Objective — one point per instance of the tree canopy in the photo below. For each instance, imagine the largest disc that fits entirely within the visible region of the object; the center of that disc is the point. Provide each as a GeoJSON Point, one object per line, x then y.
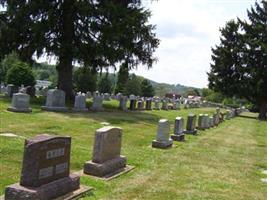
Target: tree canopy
{"type": "Point", "coordinates": [95, 34]}
{"type": "Point", "coordinates": [239, 66]}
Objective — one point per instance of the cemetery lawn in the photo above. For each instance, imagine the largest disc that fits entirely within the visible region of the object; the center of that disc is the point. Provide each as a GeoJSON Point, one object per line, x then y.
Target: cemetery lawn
{"type": "Point", "coordinates": [221, 163]}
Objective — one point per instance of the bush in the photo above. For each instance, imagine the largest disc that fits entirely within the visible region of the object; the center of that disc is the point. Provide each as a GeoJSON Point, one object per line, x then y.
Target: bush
{"type": "Point", "coordinates": [19, 74]}
{"type": "Point", "coordinates": [84, 80]}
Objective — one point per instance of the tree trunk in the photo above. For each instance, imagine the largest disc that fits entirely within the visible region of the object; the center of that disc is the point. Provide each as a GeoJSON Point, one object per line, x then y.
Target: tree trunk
{"type": "Point", "coordinates": [64, 67]}
{"type": "Point", "coordinates": [262, 111]}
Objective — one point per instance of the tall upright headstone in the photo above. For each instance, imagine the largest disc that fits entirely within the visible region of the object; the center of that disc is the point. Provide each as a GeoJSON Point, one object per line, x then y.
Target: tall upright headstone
{"type": "Point", "coordinates": [45, 170]}
{"type": "Point", "coordinates": [132, 102]}
{"type": "Point", "coordinates": [206, 121]}
{"type": "Point", "coordinates": [201, 122]}
{"type": "Point", "coordinates": [106, 153]}
{"type": "Point", "coordinates": [211, 122]}
{"type": "Point", "coordinates": [20, 103]}
{"type": "Point", "coordinates": [162, 140]}
{"type": "Point", "coordinates": [149, 104]}
{"type": "Point", "coordinates": [11, 89]}
{"type": "Point", "coordinates": [80, 103]}
{"type": "Point", "coordinates": [55, 101]}
{"type": "Point", "coordinates": [140, 104]}
{"type": "Point", "coordinates": [191, 124]}
{"type": "Point", "coordinates": [164, 104]}
{"type": "Point", "coordinates": [156, 104]}
{"type": "Point", "coordinates": [178, 134]}
{"type": "Point", "coordinates": [97, 102]}
{"type": "Point", "coordinates": [123, 103]}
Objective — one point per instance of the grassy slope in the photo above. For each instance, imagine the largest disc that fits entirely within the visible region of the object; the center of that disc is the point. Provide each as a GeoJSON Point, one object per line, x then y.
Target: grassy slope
{"type": "Point", "coordinates": [221, 163]}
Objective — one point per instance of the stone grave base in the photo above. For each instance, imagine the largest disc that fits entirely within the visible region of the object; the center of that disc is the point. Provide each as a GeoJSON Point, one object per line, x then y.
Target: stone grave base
{"type": "Point", "coordinates": [56, 109]}
{"type": "Point", "coordinates": [111, 175]}
{"type": "Point", "coordinates": [161, 144]}
{"type": "Point", "coordinates": [19, 110]}
{"type": "Point", "coordinates": [80, 110]}
{"type": "Point", "coordinates": [106, 168]}
{"type": "Point", "coordinates": [180, 137]}
{"type": "Point", "coordinates": [193, 132]}
{"type": "Point", "coordinates": [52, 190]}
{"type": "Point", "coordinates": [201, 128]}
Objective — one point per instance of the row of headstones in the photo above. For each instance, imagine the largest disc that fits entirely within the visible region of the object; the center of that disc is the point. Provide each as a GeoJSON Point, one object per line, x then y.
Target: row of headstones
{"type": "Point", "coordinates": [204, 122]}
{"type": "Point", "coordinates": [55, 101]}
{"type": "Point", "coordinates": [45, 170]}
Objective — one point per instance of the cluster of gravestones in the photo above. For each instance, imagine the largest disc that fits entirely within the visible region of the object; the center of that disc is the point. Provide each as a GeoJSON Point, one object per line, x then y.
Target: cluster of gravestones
{"type": "Point", "coordinates": [163, 140]}
{"type": "Point", "coordinates": [46, 173]}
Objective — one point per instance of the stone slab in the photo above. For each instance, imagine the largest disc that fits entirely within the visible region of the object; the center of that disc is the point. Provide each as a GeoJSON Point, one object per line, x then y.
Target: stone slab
{"type": "Point", "coordinates": [56, 109]}
{"type": "Point", "coordinates": [179, 138]}
{"type": "Point", "coordinates": [161, 144]}
{"type": "Point", "coordinates": [47, 191]}
{"type": "Point", "coordinates": [19, 110]}
{"type": "Point", "coordinates": [112, 175]}
{"type": "Point", "coordinates": [105, 168]}
{"type": "Point", "coordinates": [193, 132]}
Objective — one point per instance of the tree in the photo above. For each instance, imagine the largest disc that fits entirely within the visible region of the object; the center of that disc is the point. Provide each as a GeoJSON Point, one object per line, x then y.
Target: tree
{"type": "Point", "coordinates": [239, 65]}
{"type": "Point", "coordinates": [6, 64]}
{"type": "Point", "coordinates": [84, 80]}
{"type": "Point", "coordinates": [20, 74]}
{"type": "Point", "coordinates": [147, 88]}
{"type": "Point", "coordinates": [93, 34]}
{"type": "Point", "coordinates": [133, 86]}
{"type": "Point", "coordinates": [123, 76]}
{"type": "Point", "coordinates": [105, 85]}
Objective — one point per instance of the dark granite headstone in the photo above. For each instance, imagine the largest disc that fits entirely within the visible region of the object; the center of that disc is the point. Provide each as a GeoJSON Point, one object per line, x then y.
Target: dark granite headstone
{"type": "Point", "coordinates": [191, 124]}
{"type": "Point", "coordinates": [45, 170]}
{"type": "Point", "coordinates": [133, 104]}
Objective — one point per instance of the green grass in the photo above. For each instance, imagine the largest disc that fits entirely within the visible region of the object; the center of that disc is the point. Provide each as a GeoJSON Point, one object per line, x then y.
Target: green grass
{"type": "Point", "coordinates": [221, 163]}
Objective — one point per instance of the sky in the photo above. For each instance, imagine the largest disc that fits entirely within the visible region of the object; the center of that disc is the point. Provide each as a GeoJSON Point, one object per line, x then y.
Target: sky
{"type": "Point", "coordinates": [187, 30]}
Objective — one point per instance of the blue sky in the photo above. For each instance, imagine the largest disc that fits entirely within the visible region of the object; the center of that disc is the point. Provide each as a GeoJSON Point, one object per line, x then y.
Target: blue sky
{"type": "Point", "coordinates": [187, 30]}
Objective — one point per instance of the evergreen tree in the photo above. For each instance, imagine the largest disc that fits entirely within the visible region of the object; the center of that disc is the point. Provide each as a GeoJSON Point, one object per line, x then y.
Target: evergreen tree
{"type": "Point", "coordinates": [105, 85]}
{"type": "Point", "coordinates": [123, 76]}
{"type": "Point", "coordinates": [147, 88]}
{"type": "Point", "coordinates": [84, 80]}
{"type": "Point", "coordinates": [95, 34]}
{"type": "Point", "coordinates": [133, 86]}
{"type": "Point", "coordinates": [239, 65]}
{"type": "Point", "coordinates": [6, 64]}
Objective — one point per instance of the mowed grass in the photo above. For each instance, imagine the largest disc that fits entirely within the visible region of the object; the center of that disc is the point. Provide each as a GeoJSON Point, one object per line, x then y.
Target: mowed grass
{"type": "Point", "coordinates": [220, 163]}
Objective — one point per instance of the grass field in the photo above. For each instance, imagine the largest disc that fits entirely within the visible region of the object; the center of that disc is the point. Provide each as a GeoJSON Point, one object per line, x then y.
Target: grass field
{"type": "Point", "coordinates": [222, 163]}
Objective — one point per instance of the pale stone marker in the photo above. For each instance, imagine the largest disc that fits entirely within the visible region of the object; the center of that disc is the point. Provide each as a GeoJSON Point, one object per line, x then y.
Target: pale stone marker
{"type": "Point", "coordinates": [201, 122]}
{"type": "Point", "coordinates": [97, 102]}
{"type": "Point", "coordinates": [106, 153]}
{"type": "Point", "coordinates": [45, 170]}
{"type": "Point", "coordinates": [80, 103]}
{"type": "Point", "coordinates": [162, 140]}
{"type": "Point", "coordinates": [123, 103]}
{"type": "Point", "coordinates": [191, 124]}
{"type": "Point", "coordinates": [55, 101]}
{"type": "Point", "coordinates": [156, 104]}
{"type": "Point", "coordinates": [178, 130]}
{"type": "Point", "coordinates": [20, 103]}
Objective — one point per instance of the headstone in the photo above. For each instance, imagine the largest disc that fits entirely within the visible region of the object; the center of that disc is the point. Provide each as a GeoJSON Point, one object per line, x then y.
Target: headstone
{"type": "Point", "coordinates": [215, 119]}
{"type": "Point", "coordinates": [106, 97]}
{"type": "Point", "coordinates": [211, 121]}
{"type": "Point", "coordinates": [156, 104]}
{"type": "Point", "coordinates": [176, 104]}
{"type": "Point", "coordinates": [164, 104]}
{"type": "Point", "coordinates": [149, 104]}
{"type": "Point", "coordinates": [97, 102]}
{"type": "Point", "coordinates": [228, 114]}
{"type": "Point", "coordinates": [191, 124]}
{"type": "Point", "coordinates": [55, 101]}
{"type": "Point", "coordinates": [178, 129]}
{"type": "Point", "coordinates": [45, 170]}
{"type": "Point", "coordinates": [80, 103]}
{"type": "Point", "coordinates": [88, 95]}
{"type": "Point", "coordinates": [206, 121]}
{"type": "Point", "coordinates": [133, 102]}
{"type": "Point", "coordinates": [11, 89]}
{"type": "Point", "coordinates": [30, 90]}
{"type": "Point", "coordinates": [162, 140]}
{"type": "Point", "coordinates": [201, 122]}
{"type": "Point", "coordinates": [123, 103]}
{"type": "Point", "coordinates": [20, 103]}
{"type": "Point", "coordinates": [140, 105]}
{"type": "Point", "coordinates": [106, 153]}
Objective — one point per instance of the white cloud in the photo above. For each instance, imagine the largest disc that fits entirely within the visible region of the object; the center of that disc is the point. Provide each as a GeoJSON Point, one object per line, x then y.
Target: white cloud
{"type": "Point", "coordinates": [187, 30]}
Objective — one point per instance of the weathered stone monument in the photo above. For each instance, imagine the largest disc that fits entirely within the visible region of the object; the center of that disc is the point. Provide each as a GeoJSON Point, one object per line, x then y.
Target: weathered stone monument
{"type": "Point", "coordinates": [55, 101]}
{"type": "Point", "coordinates": [20, 103]}
{"type": "Point", "coordinates": [106, 97]}
{"type": "Point", "coordinates": [164, 104]}
{"type": "Point", "coordinates": [201, 122]}
{"type": "Point", "coordinates": [97, 102]}
{"type": "Point", "coordinates": [133, 102]}
{"type": "Point", "coordinates": [123, 103]}
{"type": "Point", "coordinates": [140, 104]}
{"type": "Point", "coordinates": [206, 121]}
{"type": "Point", "coordinates": [45, 170]}
{"type": "Point", "coordinates": [149, 104]}
{"type": "Point", "coordinates": [211, 122]}
{"type": "Point", "coordinates": [191, 124]}
{"type": "Point", "coordinates": [80, 103]}
{"type": "Point", "coordinates": [178, 134]}
{"type": "Point", "coordinates": [156, 104]}
{"type": "Point", "coordinates": [176, 104]}
{"type": "Point", "coordinates": [106, 153]}
{"type": "Point", "coordinates": [162, 140]}
{"type": "Point", "coordinates": [11, 89]}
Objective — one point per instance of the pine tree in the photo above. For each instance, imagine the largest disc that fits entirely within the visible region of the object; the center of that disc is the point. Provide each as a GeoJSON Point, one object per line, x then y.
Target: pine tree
{"type": "Point", "coordinates": [239, 65]}
{"type": "Point", "coordinates": [147, 88]}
